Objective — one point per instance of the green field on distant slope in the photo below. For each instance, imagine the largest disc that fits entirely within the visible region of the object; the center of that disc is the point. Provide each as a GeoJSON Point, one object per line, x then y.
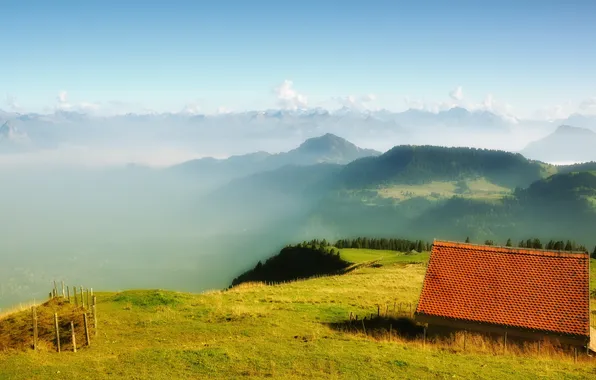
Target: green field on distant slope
{"type": "Point", "coordinates": [281, 331]}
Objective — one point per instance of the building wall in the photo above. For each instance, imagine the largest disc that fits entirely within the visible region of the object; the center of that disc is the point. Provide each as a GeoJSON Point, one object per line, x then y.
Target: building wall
{"type": "Point", "coordinates": [446, 326]}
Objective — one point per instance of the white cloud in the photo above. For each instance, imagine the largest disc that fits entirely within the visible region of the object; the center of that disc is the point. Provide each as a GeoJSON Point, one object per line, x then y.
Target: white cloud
{"type": "Point", "coordinates": [62, 104]}
{"type": "Point", "coordinates": [223, 110]}
{"type": "Point", "coordinates": [429, 106]}
{"type": "Point", "coordinates": [360, 103]}
{"type": "Point", "coordinates": [61, 98]}
{"type": "Point", "coordinates": [457, 94]}
{"type": "Point", "coordinates": [288, 97]}
{"type": "Point", "coordinates": [191, 109]}
{"type": "Point", "coordinates": [559, 111]}
{"type": "Point", "coordinates": [413, 104]}
{"type": "Point", "coordinates": [11, 102]}
{"type": "Point", "coordinates": [588, 105]}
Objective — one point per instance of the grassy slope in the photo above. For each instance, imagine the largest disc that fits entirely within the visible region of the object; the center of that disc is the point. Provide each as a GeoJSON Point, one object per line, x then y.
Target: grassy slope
{"type": "Point", "coordinates": [277, 331]}
{"type": "Point", "coordinates": [480, 189]}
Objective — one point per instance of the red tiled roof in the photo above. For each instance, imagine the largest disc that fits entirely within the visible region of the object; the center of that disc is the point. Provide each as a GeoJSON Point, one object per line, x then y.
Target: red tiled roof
{"type": "Point", "coordinates": [533, 289]}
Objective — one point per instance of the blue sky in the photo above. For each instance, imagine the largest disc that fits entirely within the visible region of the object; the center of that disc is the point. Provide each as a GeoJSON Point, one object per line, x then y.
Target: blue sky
{"type": "Point", "coordinates": [166, 56]}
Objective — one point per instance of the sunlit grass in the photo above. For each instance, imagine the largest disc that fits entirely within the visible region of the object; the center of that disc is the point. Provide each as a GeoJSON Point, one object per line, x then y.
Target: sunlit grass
{"type": "Point", "coordinates": [281, 331]}
{"type": "Point", "coordinates": [475, 189]}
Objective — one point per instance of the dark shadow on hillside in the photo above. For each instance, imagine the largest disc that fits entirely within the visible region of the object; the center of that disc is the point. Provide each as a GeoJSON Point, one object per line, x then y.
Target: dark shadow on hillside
{"type": "Point", "coordinates": [296, 262]}
{"type": "Point", "coordinates": [381, 327]}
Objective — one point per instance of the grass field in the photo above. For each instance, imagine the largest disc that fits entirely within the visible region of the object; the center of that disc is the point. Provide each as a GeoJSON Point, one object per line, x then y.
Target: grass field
{"type": "Point", "coordinates": [474, 189]}
{"type": "Point", "coordinates": [281, 331]}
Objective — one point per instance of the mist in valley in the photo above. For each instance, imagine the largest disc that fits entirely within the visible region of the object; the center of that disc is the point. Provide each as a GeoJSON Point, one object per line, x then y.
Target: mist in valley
{"type": "Point", "coordinates": [138, 204]}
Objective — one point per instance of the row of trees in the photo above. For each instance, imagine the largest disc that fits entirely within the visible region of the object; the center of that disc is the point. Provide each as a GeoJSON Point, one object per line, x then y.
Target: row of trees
{"type": "Point", "coordinates": [556, 245]}
{"type": "Point", "coordinates": [402, 245]}
{"type": "Point", "coordinates": [405, 245]}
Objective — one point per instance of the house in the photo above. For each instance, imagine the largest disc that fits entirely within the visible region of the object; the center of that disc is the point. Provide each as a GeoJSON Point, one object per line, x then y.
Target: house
{"type": "Point", "coordinates": [527, 293]}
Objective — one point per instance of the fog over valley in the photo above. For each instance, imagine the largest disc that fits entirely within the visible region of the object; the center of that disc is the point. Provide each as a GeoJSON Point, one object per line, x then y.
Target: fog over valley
{"type": "Point", "coordinates": [188, 202]}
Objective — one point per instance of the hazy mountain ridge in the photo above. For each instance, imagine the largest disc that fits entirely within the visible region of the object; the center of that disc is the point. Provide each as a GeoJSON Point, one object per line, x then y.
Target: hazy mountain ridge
{"type": "Point", "coordinates": [328, 148]}
{"type": "Point", "coordinates": [189, 238]}
{"type": "Point", "coordinates": [346, 199]}
{"type": "Point", "coordinates": [565, 144]}
{"type": "Point", "coordinates": [280, 130]}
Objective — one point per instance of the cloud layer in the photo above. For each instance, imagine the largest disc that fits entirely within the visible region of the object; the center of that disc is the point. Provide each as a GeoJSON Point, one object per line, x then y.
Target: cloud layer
{"type": "Point", "coordinates": [288, 97]}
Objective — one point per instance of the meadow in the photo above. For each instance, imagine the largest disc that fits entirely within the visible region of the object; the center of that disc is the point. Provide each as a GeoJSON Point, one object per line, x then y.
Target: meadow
{"type": "Point", "coordinates": [284, 330]}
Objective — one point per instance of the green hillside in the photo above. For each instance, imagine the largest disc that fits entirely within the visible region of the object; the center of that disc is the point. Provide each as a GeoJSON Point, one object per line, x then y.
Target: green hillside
{"type": "Point", "coordinates": [282, 331]}
{"type": "Point", "coordinates": [423, 164]}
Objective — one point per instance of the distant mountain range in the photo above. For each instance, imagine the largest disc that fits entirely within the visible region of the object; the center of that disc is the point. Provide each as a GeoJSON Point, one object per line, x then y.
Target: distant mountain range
{"type": "Point", "coordinates": [420, 191]}
{"type": "Point", "coordinates": [566, 144]}
{"type": "Point", "coordinates": [328, 148]}
{"type": "Point", "coordinates": [278, 130]}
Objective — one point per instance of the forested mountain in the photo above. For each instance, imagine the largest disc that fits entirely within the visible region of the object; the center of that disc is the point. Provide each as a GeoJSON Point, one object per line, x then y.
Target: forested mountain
{"type": "Point", "coordinates": [421, 164]}
{"type": "Point", "coordinates": [424, 192]}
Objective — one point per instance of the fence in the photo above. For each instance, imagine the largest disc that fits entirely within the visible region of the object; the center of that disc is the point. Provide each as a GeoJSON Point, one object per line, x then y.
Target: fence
{"type": "Point", "coordinates": [83, 312]}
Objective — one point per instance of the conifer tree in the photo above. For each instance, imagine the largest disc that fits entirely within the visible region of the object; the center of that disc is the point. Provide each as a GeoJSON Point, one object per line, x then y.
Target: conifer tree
{"type": "Point", "coordinates": [537, 244]}
{"type": "Point", "coordinates": [568, 246]}
{"type": "Point", "coordinates": [468, 239]}
{"type": "Point", "coordinates": [508, 244]}
{"type": "Point", "coordinates": [594, 253]}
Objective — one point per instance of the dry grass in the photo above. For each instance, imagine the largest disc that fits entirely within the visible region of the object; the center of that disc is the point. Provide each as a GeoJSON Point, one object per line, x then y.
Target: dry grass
{"type": "Point", "coordinates": [16, 329]}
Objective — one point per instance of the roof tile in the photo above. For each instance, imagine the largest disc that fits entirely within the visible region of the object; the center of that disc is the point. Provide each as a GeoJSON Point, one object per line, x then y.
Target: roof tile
{"type": "Point", "coordinates": [533, 289]}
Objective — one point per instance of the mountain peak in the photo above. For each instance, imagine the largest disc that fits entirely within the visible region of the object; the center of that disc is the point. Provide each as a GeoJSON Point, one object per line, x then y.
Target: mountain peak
{"type": "Point", "coordinates": [326, 142]}
{"type": "Point", "coordinates": [568, 129]}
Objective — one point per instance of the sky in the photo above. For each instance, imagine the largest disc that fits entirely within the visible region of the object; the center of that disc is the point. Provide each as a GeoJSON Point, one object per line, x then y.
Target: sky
{"type": "Point", "coordinates": [523, 58]}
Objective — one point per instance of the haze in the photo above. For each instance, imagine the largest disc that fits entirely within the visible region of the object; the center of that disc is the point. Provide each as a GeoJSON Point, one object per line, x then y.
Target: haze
{"type": "Point", "coordinates": [106, 132]}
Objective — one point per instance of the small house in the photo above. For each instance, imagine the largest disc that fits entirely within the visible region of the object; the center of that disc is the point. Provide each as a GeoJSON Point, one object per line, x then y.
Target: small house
{"type": "Point", "coordinates": [518, 292]}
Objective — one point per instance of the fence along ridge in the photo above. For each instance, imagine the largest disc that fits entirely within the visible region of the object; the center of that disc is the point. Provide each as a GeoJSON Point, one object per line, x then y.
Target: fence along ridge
{"type": "Point", "coordinates": [65, 296]}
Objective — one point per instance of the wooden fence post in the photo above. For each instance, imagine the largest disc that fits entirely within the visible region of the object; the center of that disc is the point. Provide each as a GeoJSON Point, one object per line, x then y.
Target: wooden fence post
{"type": "Point", "coordinates": [68, 293]}
{"type": "Point", "coordinates": [74, 340]}
{"type": "Point", "coordinates": [55, 289]}
{"type": "Point", "coordinates": [63, 293]}
{"type": "Point", "coordinates": [95, 314]}
{"type": "Point", "coordinates": [88, 304]}
{"type": "Point", "coordinates": [82, 298]}
{"type": "Point", "coordinates": [34, 315]}
{"type": "Point", "coordinates": [86, 329]}
{"type": "Point", "coordinates": [57, 331]}
{"type": "Point", "coordinates": [74, 289]}
{"type": "Point", "coordinates": [50, 295]}
{"type": "Point", "coordinates": [505, 342]}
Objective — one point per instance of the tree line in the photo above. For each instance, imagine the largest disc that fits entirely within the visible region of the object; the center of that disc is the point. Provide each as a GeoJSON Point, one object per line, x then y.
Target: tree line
{"type": "Point", "coordinates": [555, 245]}
{"type": "Point", "coordinates": [405, 245]}
{"type": "Point", "coordinates": [400, 245]}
